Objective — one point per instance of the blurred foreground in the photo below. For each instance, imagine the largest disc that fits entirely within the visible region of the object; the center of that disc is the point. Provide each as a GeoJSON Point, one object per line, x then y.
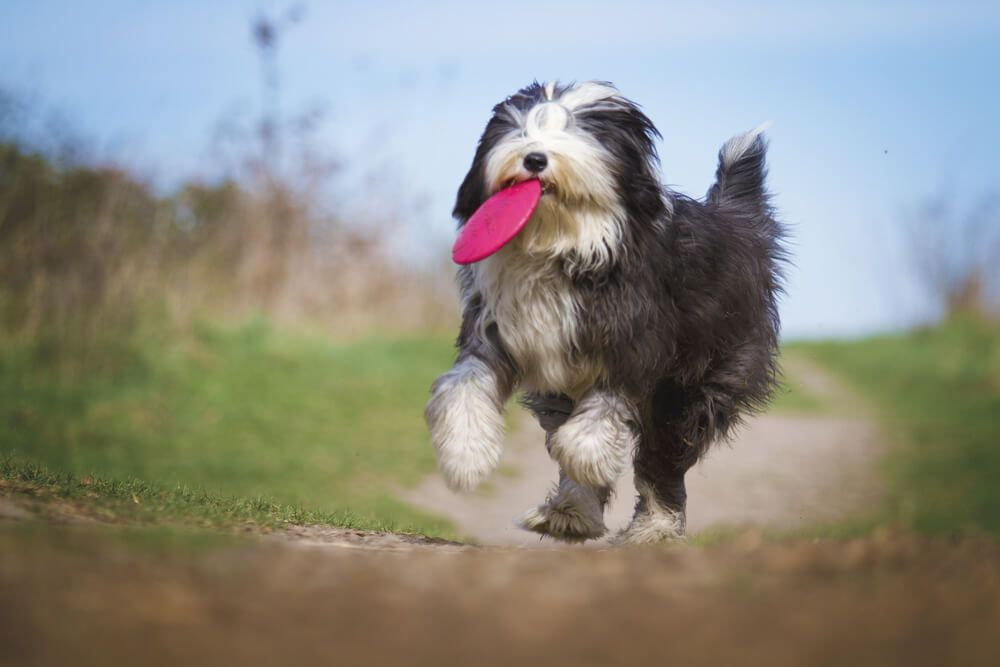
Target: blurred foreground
{"type": "Point", "coordinates": [339, 598]}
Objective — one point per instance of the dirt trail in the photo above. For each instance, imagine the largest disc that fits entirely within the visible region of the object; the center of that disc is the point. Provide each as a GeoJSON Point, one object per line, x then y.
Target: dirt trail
{"type": "Point", "coordinates": [780, 471]}
{"type": "Point", "coordinates": [78, 593]}
{"type": "Point", "coordinates": [70, 595]}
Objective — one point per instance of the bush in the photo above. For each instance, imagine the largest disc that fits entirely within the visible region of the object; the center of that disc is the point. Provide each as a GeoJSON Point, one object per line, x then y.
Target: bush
{"type": "Point", "coordinates": [85, 251]}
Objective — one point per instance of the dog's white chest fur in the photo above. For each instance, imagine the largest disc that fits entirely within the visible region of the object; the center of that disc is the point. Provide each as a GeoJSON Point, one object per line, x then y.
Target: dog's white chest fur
{"type": "Point", "coordinates": [537, 317]}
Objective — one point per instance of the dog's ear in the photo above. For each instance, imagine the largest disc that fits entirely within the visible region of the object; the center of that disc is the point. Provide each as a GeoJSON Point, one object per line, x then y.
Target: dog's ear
{"type": "Point", "coordinates": [629, 136]}
{"type": "Point", "coordinates": [472, 192]}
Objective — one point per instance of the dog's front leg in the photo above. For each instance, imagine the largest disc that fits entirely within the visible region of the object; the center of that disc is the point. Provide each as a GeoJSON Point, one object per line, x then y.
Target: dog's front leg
{"type": "Point", "coordinates": [465, 417]}
{"type": "Point", "coordinates": [593, 445]}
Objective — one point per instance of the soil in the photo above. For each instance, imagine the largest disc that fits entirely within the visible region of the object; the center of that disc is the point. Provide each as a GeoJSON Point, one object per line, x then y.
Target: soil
{"type": "Point", "coordinates": [71, 593]}
{"type": "Point", "coordinates": [328, 597]}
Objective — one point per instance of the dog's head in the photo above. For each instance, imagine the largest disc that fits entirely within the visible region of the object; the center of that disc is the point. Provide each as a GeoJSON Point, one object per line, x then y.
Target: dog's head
{"type": "Point", "coordinates": [592, 150]}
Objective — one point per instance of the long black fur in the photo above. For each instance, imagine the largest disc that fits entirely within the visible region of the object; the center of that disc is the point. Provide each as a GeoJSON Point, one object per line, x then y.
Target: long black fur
{"type": "Point", "coordinates": [685, 321]}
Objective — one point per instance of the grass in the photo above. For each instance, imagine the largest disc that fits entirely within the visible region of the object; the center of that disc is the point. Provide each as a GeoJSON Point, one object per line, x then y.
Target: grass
{"type": "Point", "coordinates": [234, 425]}
{"type": "Point", "coordinates": [245, 423]}
{"type": "Point", "coordinates": [133, 501]}
{"type": "Point", "coordinates": [937, 392]}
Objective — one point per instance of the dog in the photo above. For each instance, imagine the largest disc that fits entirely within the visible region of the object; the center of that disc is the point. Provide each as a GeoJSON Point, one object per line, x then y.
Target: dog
{"type": "Point", "coordinates": [635, 320]}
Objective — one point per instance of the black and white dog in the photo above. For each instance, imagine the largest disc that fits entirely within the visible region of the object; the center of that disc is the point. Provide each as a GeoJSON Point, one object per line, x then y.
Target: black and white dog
{"type": "Point", "coordinates": [636, 320]}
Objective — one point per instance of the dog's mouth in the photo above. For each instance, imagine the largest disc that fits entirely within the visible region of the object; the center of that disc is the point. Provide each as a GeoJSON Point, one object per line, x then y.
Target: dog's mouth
{"type": "Point", "coordinates": [548, 187]}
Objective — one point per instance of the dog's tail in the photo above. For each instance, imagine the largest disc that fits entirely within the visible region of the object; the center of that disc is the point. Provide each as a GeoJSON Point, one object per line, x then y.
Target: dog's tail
{"type": "Point", "coordinates": [739, 180]}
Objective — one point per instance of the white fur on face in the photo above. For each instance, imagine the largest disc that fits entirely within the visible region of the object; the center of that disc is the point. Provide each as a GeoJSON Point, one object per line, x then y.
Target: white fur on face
{"type": "Point", "coordinates": [593, 445]}
{"type": "Point", "coordinates": [573, 513]}
{"type": "Point", "coordinates": [655, 523]}
{"type": "Point", "coordinates": [580, 209]}
{"type": "Point", "coordinates": [585, 232]}
{"type": "Point", "coordinates": [466, 423]}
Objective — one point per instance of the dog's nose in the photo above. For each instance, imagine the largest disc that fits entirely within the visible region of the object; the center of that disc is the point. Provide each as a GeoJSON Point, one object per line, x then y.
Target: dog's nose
{"type": "Point", "coordinates": [535, 162]}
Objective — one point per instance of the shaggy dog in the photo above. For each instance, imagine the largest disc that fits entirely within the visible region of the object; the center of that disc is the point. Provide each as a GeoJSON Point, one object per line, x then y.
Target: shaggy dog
{"type": "Point", "coordinates": [637, 321]}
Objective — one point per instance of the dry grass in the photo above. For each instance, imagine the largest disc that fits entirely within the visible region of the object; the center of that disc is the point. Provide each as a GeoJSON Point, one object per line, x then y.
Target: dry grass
{"type": "Point", "coordinates": [85, 251]}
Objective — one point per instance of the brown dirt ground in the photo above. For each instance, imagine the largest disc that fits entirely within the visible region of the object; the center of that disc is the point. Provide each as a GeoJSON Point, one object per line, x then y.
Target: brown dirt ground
{"type": "Point", "coordinates": [71, 596]}
{"type": "Point", "coordinates": [74, 591]}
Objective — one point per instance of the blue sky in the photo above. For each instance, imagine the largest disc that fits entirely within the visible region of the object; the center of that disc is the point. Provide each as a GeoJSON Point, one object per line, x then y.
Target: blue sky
{"type": "Point", "coordinates": [876, 106]}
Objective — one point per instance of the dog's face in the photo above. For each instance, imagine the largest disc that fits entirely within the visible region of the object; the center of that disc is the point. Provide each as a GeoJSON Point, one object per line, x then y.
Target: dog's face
{"type": "Point", "coordinates": [593, 152]}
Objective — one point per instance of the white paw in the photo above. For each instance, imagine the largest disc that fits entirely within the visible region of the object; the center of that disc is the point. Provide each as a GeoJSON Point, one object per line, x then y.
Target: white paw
{"type": "Point", "coordinates": [466, 425]}
{"type": "Point", "coordinates": [654, 524]}
{"type": "Point", "coordinates": [572, 514]}
{"type": "Point", "coordinates": [649, 530]}
{"type": "Point", "coordinates": [594, 443]}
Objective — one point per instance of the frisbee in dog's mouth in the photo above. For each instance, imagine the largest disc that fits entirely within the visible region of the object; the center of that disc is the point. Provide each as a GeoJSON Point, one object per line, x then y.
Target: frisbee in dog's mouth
{"type": "Point", "coordinates": [496, 222]}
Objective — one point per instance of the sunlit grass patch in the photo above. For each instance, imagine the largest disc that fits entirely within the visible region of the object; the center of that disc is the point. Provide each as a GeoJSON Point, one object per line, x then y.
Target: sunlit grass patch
{"type": "Point", "coordinates": [239, 412]}
{"type": "Point", "coordinates": [937, 391]}
{"type": "Point", "coordinates": [134, 502]}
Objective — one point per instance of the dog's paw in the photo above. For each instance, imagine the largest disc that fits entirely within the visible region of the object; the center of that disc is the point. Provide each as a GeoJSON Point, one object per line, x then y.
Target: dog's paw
{"type": "Point", "coordinates": [466, 462]}
{"type": "Point", "coordinates": [647, 530]}
{"type": "Point", "coordinates": [466, 425]}
{"type": "Point", "coordinates": [572, 514]}
{"type": "Point", "coordinates": [653, 523]}
{"type": "Point", "coordinates": [593, 445]}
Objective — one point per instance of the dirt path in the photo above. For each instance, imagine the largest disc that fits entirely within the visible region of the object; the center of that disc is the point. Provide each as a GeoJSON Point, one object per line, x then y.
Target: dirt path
{"type": "Point", "coordinates": [78, 592]}
{"type": "Point", "coordinates": [70, 595]}
{"type": "Point", "coordinates": [780, 471]}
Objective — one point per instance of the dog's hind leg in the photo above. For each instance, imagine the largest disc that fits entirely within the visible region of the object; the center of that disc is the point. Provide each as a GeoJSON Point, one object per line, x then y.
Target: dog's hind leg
{"type": "Point", "coordinates": [671, 442]}
{"type": "Point", "coordinates": [572, 512]}
{"type": "Point", "coordinates": [681, 423]}
{"type": "Point", "coordinates": [660, 507]}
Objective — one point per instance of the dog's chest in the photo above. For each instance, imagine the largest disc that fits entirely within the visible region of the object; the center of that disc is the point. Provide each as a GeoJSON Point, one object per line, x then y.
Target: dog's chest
{"type": "Point", "coordinates": [537, 314]}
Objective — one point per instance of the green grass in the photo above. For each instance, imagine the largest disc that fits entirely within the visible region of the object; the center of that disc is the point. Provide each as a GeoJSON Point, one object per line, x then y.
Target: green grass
{"type": "Point", "coordinates": [937, 392]}
{"type": "Point", "coordinates": [233, 425]}
{"type": "Point", "coordinates": [222, 424]}
{"type": "Point", "coordinates": [134, 501]}
{"type": "Point", "coordinates": [231, 418]}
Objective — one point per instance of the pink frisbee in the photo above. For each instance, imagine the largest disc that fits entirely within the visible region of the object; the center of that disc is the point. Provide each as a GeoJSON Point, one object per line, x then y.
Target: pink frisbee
{"type": "Point", "coordinates": [496, 222]}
